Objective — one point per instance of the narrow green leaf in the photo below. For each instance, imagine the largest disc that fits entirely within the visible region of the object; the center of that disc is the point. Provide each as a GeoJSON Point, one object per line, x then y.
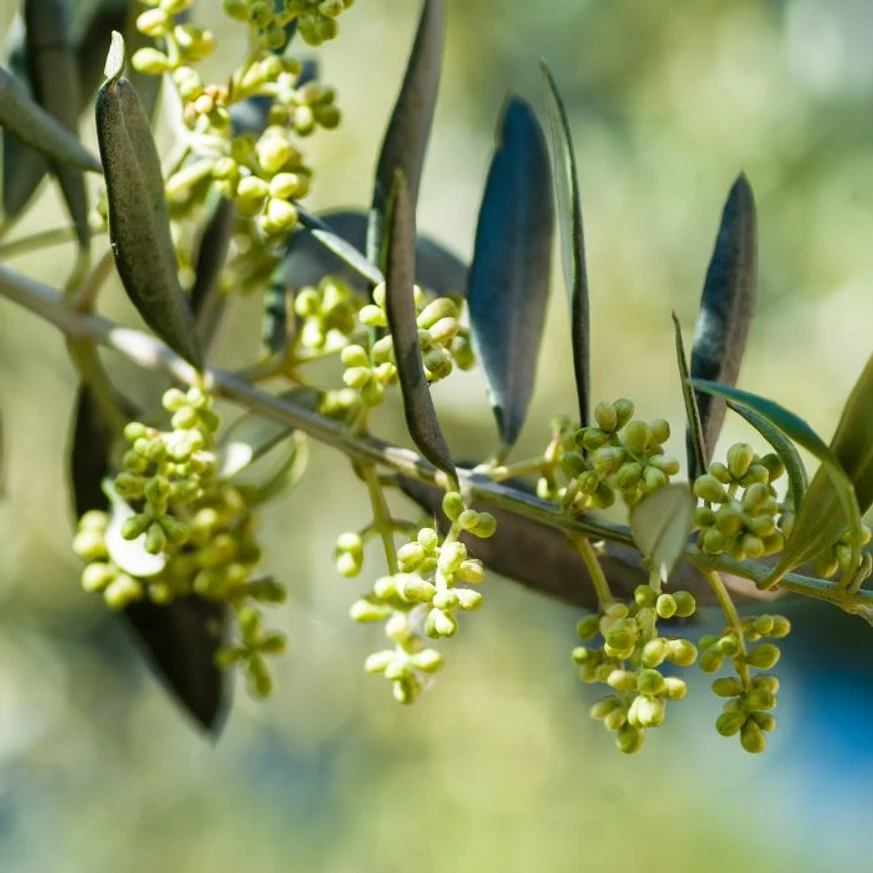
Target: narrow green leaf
{"type": "Point", "coordinates": [139, 226]}
{"type": "Point", "coordinates": [54, 78]}
{"type": "Point", "coordinates": [35, 127]}
{"type": "Point", "coordinates": [661, 525]}
{"type": "Point", "coordinates": [308, 260]}
{"type": "Point", "coordinates": [509, 278]}
{"type": "Point", "coordinates": [408, 132]}
{"type": "Point", "coordinates": [694, 446]}
{"type": "Point", "coordinates": [798, 481]}
{"type": "Point", "coordinates": [726, 308]}
{"type": "Point", "coordinates": [207, 300]}
{"type": "Point", "coordinates": [830, 506]}
{"type": "Point", "coordinates": [566, 179]}
{"type": "Point", "coordinates": [276, 331]}
{"type": "Point", "coordinates": [421, 417]}
{"type": "Point", "coordinates": [340, 247]}
{"type": "Point", "coordinates": [290, 471]}
{"type": "Point", "coordinates": [180, 642]}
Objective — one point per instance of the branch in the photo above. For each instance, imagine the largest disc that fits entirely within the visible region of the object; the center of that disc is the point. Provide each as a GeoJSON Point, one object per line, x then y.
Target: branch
{"type": "Point", "coordinates": [151, 354]}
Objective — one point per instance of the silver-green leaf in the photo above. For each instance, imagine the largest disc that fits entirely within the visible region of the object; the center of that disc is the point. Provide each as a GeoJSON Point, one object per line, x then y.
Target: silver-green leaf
{"type": "Point", "coordinates": [661, 524]}
{"type": "Point", "coordinates": [726, 308]}
{"type": "Point", "coordinates": [509, 278]}
{"type": "Point", "coordinates": [421, 417]}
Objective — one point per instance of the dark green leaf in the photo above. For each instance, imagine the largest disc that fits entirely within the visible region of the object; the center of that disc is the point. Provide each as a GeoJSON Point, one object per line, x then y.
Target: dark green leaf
{"type": "Point", "coordinates": [572, 241]}
{"type": "Point", "coordinates": [35, 127]}
{"type": "Point", "coordinates": [180, 640]}
{"type": "Point", "coordinates": [784, 448]}
{"type": "Point", "coordinates": [139, 226]}
{"type": "Point", "coordinates": [695, 448]}
{"type": "Point", "coordinates": [421, 417]}
{"type": "Point", "coordinates": [726, 308]}
{"type": "Point", "coordinates": [338, 246]}
{"type": "Point", "coordinates": [509, 278]}
{"type": "Point", "coordinates": [207, 300]}
{"type": "Point", "coordinates": [406, 138]}
{"type": "Point", "coordinates": [308, 260]}
{"type": "Point", "coordinates": [830, 506]}
{"type": "Point", "coordinates": [276, 331]}
{"type": "Point", "coordinates": [661, 524]}
{"type": "Point", "coordinates": [53, 73]}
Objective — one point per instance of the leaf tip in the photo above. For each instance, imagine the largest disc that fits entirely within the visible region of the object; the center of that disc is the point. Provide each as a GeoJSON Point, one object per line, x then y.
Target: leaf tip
{"type": "Point", "coordinates": [114, 66]}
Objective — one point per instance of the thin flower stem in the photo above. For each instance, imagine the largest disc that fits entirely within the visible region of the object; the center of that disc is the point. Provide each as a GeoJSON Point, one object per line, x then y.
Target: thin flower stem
{"type": "Point", "coordinates": [382, 521]}
{"type": "Point", "coordinates": [151, 354]}
{"type": "Point", "coordinates": [719, 589]}
{"type": "Point", "coordinates": [44, 239]}
{"type": "Point", "coordinates": [598, 578]}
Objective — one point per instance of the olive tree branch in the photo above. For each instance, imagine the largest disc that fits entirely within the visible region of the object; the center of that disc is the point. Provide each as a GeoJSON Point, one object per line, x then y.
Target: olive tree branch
{"type": "Point", "coordinates": [151, 354]}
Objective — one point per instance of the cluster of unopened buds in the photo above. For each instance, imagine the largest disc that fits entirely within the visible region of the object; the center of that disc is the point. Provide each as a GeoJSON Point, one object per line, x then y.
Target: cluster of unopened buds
{"type": "Point", "coordinates": [316, 19]}
{"type": "Point", "coordinates": [328, 315]}
{"type": "Point", "coordinates": [751, 698]}
{"type": "Point", "coordinates": [422, 599]}
{"type": "Point", "coordinates": [741, 512]}
{"type": "Point", "coordinates": [444, 341]}
{"type": "Point", "coordinates": [198, 534]}
{"type": "Point", "coordinates": [628, 660]}
{"type": "Point", "coordinates": [620, 454]}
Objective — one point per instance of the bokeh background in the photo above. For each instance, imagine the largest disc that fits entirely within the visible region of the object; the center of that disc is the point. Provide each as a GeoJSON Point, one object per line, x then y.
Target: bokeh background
{"type": "Point", "coordinates": [499, 768]}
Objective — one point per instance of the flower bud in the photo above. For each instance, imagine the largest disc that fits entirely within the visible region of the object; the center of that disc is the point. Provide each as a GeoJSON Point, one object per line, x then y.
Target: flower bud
{"type": "Point", "coordinates": [650, 682]}
{"type": "Point", "coordinates": [606, 417]}
{"type": "Point", "coordinates": [752, 738]}
{"type": "Point", "coordinates": [364, 611]}
{"type": "Point", "coordinates": [428, 661]}
{"type": "Point", "coordinates": [729, 723]}
{"type": "Point", "coordinates": [414, 589]}
{"type": "Point", "coordinates": [763, 657]}
{"type": "Point", "coordinates": [378, 662]}
{"type": "Point", "coordinates": [660, 430]}
{"type": "Point", "coordinates": [629, 739]}
{"type": "Point", "coordinates": [468, 600]}
{"type": "Point", "coordinates": [440, 624]}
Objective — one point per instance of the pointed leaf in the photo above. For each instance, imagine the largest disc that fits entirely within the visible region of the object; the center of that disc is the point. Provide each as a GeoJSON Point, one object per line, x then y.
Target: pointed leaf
{"type": "Point", "coordinates": [339, 247]}
{"type": "Point", "coordinates": [661, 525]}
{"type": "Point", "coordinates": [421, 417]}
{"type": "Point", "coordinates": [406, 138]}
{"type": "Point", "coordinates": [509, 278]}
{"type": "Point", "coordinates": [830, 506]}
{"type": "Point", "coordinates": [290, 471]}
{"type": "Point", "coordinates": [35, 127]}
{"type": "Point", "coordinates": [53, 73]}
{"type": "Point", "coordinates": [308, 260]}
{"type": "Point", "coordinates": [572, 240]}
{"type": "Point", "coordinates": [207, 300]}
{"type": "Point", "coordinates": [694, 447]}
{"type": "Point", "coordinates": [798, 481]}
{"type": "Point", "coordinates": [181, 641]}
{"type": "Point", "coordinates": [278, 298]}
{"type": "Point", "coordinates": [139, 226]}
{"type": "Point", "coordinates": [727, 307]}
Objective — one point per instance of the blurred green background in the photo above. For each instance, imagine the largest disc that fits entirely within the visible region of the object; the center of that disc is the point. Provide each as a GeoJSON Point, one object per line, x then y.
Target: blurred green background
{"type": "Point", "coordinates": [500, 767]}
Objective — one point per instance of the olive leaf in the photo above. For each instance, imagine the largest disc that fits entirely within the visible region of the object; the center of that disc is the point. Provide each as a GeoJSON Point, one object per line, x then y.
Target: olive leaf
{"type": "Point", "coordinates": [509, 279]}
{"type": "Point", "coordinates": [408, 132]}
{"type": "Point", "coordinates": [289, 472]}
{"type": "Point", "coordinates": [795, 470]}
{"type": "Point", "coordinates": [91, 24]}
{"type": "Point", "coordinates": [139, 226]}
{"type": "Point", "coordinates": [275, 334]}
{"type": "Point", "coordinates": [206, 299]}
{"type": "Point", "coordinates": [35, 127]}
{"type": "Point", "coordinates": [338, 246]}
{"type": "Point", "coordinates": [726, 308]}
{"type": "Point", "coordinates": [566, 181]}
{"type": "Point", "coordinates": [54, 78]}
{"type": "Point", "coordinates": [695, 447]}
{"type": "Point", "coordinates": [180, 639]}
{"type": "Point", "coordinates": [830, 506]}
{"type": "Point", "coordinates": [308, 260]}
{"type": "Point", "coordinates": [661, 524]}
{"type": "Point", "coordinates": [421, 417]}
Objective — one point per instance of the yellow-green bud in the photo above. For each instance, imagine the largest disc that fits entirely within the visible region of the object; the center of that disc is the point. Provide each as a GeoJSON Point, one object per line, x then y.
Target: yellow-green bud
{"type": "Point", "coordinates": [629, 739]}
{"type": "Point", "coordinates": [674, 689]}
{"type": "Point", "coordinates": [606, 417]}
{"type": "Point", "coordinates": [413, 588]}
{"type": "Point", "coordinates": [365, 611]}
{"type": "Point", "coordinates": [660, 430]}
{"type": "Point", "coordinates": [122, 591]}
{"type": "Point", "coordinates": [428, 661]}
{"type": "Point", "coordinates": [468, 600]}
{"type": "Point", "coordinates": [654, 652]}
{"type": "Point", "coordinates": [708, 488]}
{"type": "Point", "coordinates": [440, 624]}
{"type": "Point", "coordinates": [665, 606]}
{"type": "Point", "coordinates": [729, 723]}
{"type": "Point", "coordinates": [637, 436]}
{"type": "Point", "coordinates": [739, 459]}
{"type": "Point", "coordinates": [686, 605]}
{"type": "Point", "coordinates": [150, 61]}
{"type": "Point", "coordinates": [622, 680]}
{"type": "Point", "coordinates": [752, 738]}
{"type": "Point", "coordinates": [485, 527]}
{"type": "Point", "coordinates": [763, 657]}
